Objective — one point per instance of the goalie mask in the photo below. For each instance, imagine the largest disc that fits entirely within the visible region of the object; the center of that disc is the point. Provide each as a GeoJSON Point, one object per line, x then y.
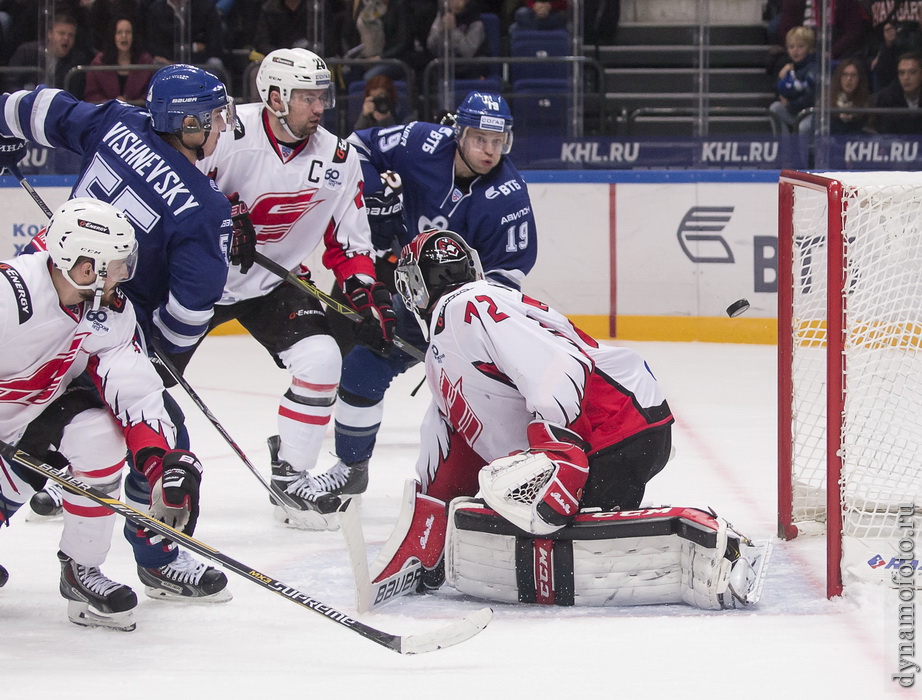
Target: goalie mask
{"type": "Point", "coordinates": [431, 264]}
{"type": "Point", "coordinates": [88, 228]}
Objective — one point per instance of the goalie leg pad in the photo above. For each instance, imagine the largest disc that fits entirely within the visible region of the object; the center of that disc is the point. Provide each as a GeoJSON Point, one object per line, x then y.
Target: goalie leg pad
{"type": "Point", "coordinates": [653, 556]}
{"type": "Point", "coordinates": [418, 537]}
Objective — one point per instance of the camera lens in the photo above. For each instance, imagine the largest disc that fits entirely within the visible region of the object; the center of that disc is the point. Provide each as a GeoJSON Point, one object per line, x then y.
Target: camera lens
{"type": "Point", "coordinates": [381, 104]}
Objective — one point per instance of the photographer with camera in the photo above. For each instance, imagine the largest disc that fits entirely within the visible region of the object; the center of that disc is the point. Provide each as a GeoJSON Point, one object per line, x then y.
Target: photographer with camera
{"type": "Point", "coordinates": [379, 105]}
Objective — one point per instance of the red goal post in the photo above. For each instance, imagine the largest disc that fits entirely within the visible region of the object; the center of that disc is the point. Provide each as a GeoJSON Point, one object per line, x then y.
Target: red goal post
{"type": "Point", "coordinates": [850, 366]}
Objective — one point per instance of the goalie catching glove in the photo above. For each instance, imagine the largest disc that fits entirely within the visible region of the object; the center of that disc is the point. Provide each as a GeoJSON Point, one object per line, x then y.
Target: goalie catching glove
{"type": "Point", "coordinates": [372, 302]}
{"type": "Point", "coordinates": [174, 479]}
{"type": "Point", "coordinates": [243, 244]}
{"type": "Point", "coordinates": [539, 490]}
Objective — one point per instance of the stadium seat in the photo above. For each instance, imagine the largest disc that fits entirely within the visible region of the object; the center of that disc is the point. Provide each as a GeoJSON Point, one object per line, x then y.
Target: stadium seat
{"type": "Point", "coordinates": [540, 107]}
{"type": "Point", "coordinates": [492, 28]}
{"type": "Point", "coordinates": [538, 44]}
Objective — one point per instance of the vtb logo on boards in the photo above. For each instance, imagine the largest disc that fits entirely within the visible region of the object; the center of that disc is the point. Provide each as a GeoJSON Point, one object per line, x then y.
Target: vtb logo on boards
{"type": "Point", "coordinates": [701, 240]}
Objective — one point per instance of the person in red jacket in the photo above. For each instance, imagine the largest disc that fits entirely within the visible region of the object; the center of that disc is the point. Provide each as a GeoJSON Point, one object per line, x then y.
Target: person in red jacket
{"type": "Point", "coordinates": [122, 49]}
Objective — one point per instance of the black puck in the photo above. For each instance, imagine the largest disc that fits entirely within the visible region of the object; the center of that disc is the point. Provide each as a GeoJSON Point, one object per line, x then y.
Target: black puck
{"type": "Point", "coordinates": [740, 306]}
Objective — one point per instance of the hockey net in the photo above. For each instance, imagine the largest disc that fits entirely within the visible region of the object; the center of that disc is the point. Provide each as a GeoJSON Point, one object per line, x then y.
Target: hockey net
{"type": "Point", "coordinates": [850, 367]}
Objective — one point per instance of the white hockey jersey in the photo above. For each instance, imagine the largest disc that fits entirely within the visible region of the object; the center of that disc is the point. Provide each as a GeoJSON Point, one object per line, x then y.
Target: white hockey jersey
{"type": "Point", "coordinates": [498, 360]}
{"type": "Point", "coordinates": [297, 198]}
{"type": "Point", "coordinates": [45, 345]}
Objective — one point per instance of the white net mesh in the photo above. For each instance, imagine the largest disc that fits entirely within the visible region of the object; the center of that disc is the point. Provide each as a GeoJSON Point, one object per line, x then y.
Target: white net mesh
{"type": "Point", "coordinates": [882, 416]}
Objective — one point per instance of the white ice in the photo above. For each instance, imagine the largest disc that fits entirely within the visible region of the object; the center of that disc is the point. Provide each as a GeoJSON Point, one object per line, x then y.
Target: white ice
{"type": "Point", "coordinates": [723, 397]}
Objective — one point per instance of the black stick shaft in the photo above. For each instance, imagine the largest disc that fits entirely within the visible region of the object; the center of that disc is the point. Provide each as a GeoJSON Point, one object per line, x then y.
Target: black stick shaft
{"type": "Point", "coordinates": [313, 291]}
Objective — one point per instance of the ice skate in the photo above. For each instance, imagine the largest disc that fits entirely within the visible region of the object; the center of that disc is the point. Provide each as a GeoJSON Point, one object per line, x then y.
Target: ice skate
{"type": "Point", "coordinates": [48, 502]}
{"type": "Point", "coordinates": [307, 508]}
{"type": "Point", "coordinates": [343, 480]}
{"type": "Point", "coordinates": [185, 579]}
{"type": "Point", "coordinates": [95, 600]}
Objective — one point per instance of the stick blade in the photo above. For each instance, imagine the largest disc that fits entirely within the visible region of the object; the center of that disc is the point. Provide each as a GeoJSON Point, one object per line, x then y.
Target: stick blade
{"type": "Point", "coordinates": [455, 633]}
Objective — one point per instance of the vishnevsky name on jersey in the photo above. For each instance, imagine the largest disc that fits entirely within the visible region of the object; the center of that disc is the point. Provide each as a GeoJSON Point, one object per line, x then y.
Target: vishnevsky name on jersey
{"type": "Point", "coordinates": [129, 147]}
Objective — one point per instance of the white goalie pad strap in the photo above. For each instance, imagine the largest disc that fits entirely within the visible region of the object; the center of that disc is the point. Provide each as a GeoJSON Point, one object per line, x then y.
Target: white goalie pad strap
{"type": "Point", "coordinates": [513, 486]}
{"type": "Point", "coordinates": [652, 556]}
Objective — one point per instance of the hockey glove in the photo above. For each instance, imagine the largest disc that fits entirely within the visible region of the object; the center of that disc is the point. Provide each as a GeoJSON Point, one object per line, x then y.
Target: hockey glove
{"type": "Point", "coordinates": [174, 479]}
{"type": "Point", "coordinates": [12, 150]}
{"type": "Point", "coordinates": [539, 489]}
{"type": "Point", "coordinates": [243, 245]}
{"type": "Point", "coordinates": [372, 301]}
{"type": "Point", "coordinates": [385, 214]}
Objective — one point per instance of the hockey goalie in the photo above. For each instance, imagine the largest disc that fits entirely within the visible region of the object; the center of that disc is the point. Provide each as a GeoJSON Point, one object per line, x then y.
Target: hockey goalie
{"type": "Point", "coordinates": [559, 436]}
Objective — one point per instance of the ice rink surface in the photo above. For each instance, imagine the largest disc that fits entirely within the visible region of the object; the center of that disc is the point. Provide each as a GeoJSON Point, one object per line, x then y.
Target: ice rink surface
{"type": "Point", "coordinates": [259, 644]}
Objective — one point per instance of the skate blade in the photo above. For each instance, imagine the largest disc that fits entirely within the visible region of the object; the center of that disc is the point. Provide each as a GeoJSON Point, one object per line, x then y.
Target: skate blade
{"type": "Point", "coordinates": [309, 520]}
{"type": "Point", "coordinates": [222, 596]}
{"type": "Point", "coordinates": [82, 614]}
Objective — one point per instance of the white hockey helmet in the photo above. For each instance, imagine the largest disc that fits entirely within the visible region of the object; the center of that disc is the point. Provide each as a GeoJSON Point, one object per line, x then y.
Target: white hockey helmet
{"type": "Point", "coordinates": [85, 227]}
{"type": "Point", "coordinates": [294, 69]}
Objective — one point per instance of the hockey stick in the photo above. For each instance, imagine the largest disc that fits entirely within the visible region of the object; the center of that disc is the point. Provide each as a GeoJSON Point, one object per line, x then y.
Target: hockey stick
{"type": "Point", "coordinates": [370, 595]}
{"type": "Point", "coordinates": [313, 291]}
{"type": "Point", "coordinates": [283, 499]}
{"type": "Point", "coordinates": [17, 173]}
{"type": "Point", "coordinates": [404, 644]}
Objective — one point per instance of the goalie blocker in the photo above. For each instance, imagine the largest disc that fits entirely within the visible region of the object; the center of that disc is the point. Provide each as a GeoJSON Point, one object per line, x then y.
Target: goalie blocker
{"type": "Point", "coordinates": [641, 557]}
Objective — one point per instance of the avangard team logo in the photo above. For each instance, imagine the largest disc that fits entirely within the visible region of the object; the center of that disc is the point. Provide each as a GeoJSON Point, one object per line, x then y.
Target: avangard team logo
{"type": "Point", "coordinates": [447, 250]}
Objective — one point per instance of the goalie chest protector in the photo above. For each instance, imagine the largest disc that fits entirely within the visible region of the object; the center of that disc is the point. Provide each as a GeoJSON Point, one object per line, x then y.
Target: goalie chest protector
{"type": "Point", "coordinates": [602, 558]}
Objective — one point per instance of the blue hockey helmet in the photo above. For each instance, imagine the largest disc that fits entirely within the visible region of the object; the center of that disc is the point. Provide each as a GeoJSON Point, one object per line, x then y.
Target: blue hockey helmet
{"type": "Point", "coordinates": [178, 91]}
{"type": "Point", "coordinates": [486, 111]}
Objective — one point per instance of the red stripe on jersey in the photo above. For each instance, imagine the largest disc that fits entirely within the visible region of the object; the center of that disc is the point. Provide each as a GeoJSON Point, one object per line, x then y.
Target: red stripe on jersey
{"type": "Point", "coordinates": [87, 511]}
{"type": "Point", "coordinates": [302, 418]}
{"type": "Point", "coordinates": [9, 480]}
{"type": "Point", "coordinates": [101, 473]}
{"type": "Point", "coordinates": [313, 387]}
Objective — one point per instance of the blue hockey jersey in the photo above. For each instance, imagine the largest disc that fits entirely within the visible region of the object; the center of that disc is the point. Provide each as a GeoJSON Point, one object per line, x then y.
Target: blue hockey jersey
{"type": "Point", "coordinates": [182, 222]}
{"type": "Point", "coordinates": [494, 216]}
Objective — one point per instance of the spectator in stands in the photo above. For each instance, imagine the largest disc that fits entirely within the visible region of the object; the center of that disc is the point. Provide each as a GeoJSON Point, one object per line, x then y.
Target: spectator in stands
{"type": "Point", "coordinates": [467, 37]}
{"type": "Point", "coordinates": [400, 28]}
{"type": "Point", "coordinates": [124, 48]}
{"type": "Point", "coordinates": [896, 39]}
{"type": "Point", "coordinates": [63, 54]}
{"type": "Point", "coordinates": [904, 92]}
{"type": "Point", "coordinates": [290, 24]}
{"type": "Point", "coordinates": [103, 13]}
{"type": "Point", "coordinates": [540, 14]}
{"type": "Point", "coordinates": [796, 83]}
{"type": "Point", "coordinates": [851, 23]}
{"type": "Point", "coordinates": [206, 36]}
{"type": "Point", "coordinates": [849, 90]}
{"type": "Point", "coordinates": [379, 107]}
